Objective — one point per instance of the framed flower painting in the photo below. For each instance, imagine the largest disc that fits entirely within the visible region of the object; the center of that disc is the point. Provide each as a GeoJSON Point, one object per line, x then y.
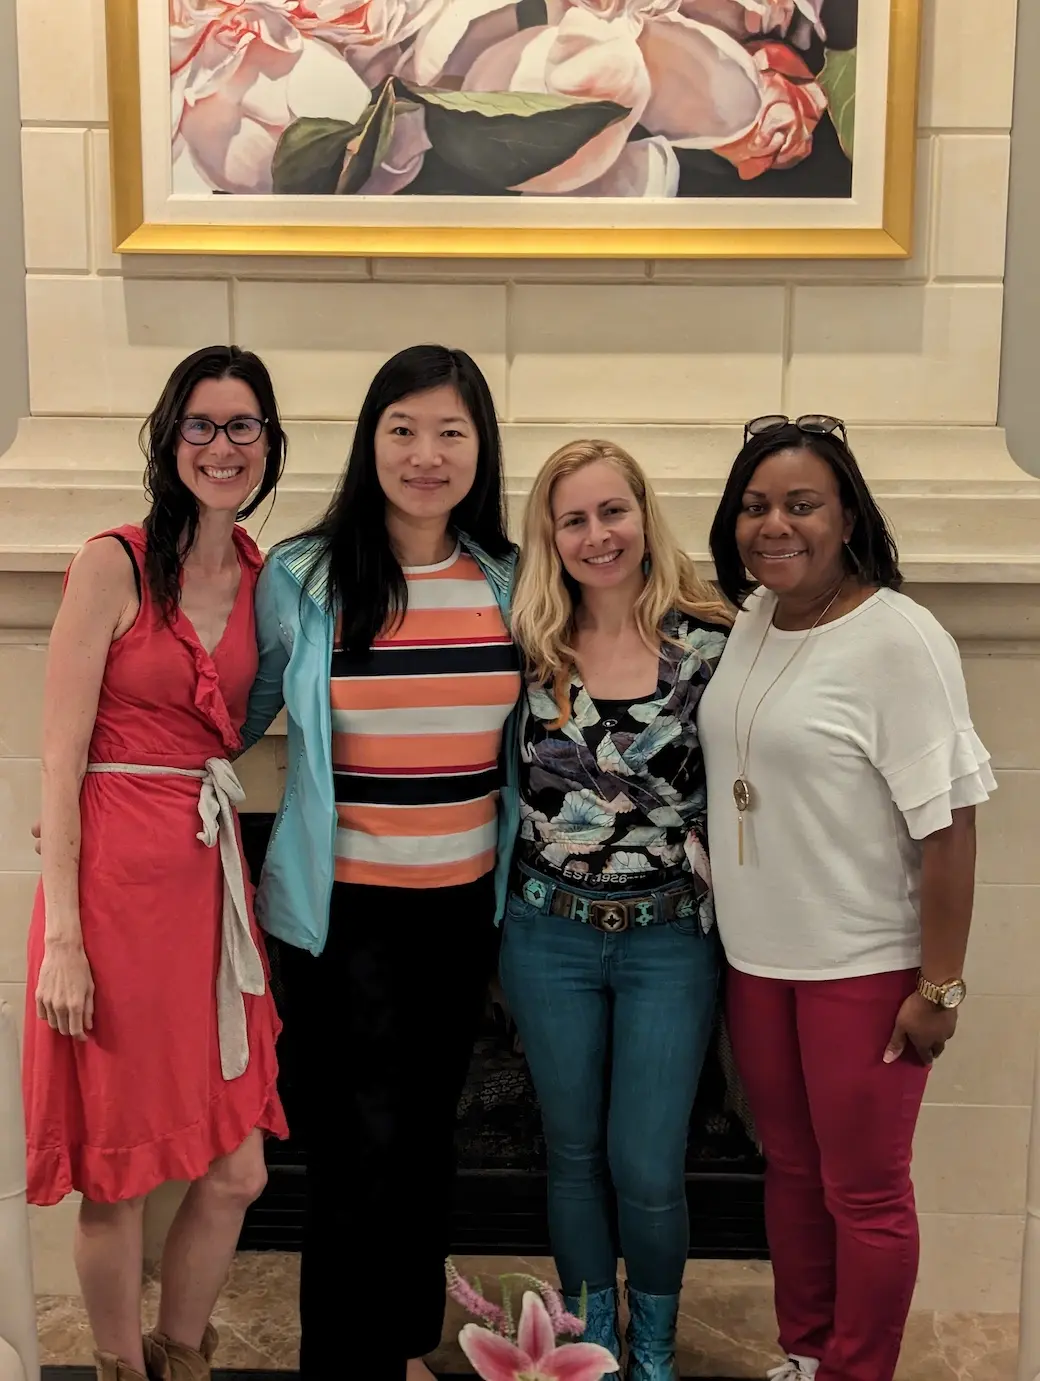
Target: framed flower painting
{"type": "Point", "coordinates": [586, 128]}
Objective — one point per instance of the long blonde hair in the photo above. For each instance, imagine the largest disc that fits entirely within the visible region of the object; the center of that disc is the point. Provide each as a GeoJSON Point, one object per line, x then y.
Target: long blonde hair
{"type": "Point", "coordinates": [543, 606]}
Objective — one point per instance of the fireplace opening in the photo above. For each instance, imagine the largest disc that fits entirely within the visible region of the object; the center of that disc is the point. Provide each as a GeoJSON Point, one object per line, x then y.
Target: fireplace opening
{"type": "Point", "coordinates": [500, 1197]}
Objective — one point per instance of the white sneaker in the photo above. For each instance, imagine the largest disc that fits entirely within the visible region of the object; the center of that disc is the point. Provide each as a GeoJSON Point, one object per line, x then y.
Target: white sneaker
{"type": "Point", "coordinates": [794, 1369]}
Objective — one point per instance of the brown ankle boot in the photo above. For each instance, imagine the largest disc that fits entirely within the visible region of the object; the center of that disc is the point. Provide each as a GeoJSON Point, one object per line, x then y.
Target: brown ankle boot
{"type": "Point", "coordinates": [156, 1362]}
{"type": "Point", "coordinates": [113, 1368]}
{"type": "Point", "coordinates": [170, 1361]}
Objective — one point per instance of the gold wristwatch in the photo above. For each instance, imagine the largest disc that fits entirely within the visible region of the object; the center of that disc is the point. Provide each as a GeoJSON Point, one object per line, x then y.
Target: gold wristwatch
{"type": "Point", "coordinates": [948, 995]}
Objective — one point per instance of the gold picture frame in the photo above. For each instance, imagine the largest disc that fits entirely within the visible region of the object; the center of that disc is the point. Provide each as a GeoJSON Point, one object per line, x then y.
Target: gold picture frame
{"type": "Point", "coordinates": [133, 233]}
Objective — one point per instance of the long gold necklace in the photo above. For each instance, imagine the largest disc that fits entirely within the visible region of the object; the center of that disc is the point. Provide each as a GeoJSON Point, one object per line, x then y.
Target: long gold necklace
{"type": "Point", "coordinates": [743, 795]}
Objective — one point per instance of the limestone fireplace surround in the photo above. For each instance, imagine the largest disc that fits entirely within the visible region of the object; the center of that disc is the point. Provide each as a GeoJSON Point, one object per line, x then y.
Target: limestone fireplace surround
{"type": "Point", "coordinates": [967, 519]}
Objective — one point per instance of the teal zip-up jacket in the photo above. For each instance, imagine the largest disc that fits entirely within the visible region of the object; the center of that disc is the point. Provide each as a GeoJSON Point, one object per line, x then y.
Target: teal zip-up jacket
{"type": "Point", "coordinates": [295, 633]}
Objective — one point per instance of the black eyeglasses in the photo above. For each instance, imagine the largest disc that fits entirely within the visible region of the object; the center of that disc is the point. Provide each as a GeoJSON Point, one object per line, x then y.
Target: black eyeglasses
{"type": "Point", "coordinates": [240, 431]}
{"type": "Point", "coordinates": [812, 423]}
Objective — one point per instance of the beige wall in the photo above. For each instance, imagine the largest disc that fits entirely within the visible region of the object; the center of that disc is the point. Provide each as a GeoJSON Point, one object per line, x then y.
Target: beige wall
{"type": "Point", "coordinates": [14, 378]}
{"type": "Point", "coordinates": [604, 343]}
{"type": "Point", "coordinates": [667, 357]}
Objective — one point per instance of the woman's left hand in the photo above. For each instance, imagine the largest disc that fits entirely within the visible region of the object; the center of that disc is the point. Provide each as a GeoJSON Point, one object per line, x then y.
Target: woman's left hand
{"type": "Point", "coordinates": [926, 1026]}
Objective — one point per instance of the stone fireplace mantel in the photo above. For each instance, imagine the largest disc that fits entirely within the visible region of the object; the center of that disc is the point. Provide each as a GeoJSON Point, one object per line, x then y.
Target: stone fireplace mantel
{"type": "Point", "coordinates": [963, 511]}
{"type": "Point", "coordinates": [967, 519]}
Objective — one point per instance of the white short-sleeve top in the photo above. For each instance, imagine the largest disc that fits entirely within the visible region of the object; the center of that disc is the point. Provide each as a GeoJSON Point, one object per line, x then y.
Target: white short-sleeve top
{"type": "Point", "coordinates": [863, 747]}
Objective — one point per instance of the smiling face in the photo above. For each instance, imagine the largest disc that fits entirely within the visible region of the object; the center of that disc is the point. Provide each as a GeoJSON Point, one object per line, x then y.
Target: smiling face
{"type": "Point", "coordinates": [426, 450]}
{"type": "Point", "coordinates": [598, 527]}
{"type": "Point", "coordinates": [223, 471]}
{"type": "Point", "coordinates": [792, 527]}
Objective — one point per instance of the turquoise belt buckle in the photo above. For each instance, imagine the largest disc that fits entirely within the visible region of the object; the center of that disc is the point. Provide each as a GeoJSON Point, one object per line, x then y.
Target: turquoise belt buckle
{"type": "Point", "coordinates": [535, 893]}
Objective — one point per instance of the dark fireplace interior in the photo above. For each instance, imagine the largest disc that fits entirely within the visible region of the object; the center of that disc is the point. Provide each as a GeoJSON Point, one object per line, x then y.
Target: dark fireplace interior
{"type": "Point", "coordinates": [500, 1200]}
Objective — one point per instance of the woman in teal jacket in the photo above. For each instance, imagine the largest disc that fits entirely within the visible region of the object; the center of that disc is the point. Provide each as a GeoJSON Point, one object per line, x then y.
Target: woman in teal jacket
{"type": "Point", "coordinates": [384, 631]}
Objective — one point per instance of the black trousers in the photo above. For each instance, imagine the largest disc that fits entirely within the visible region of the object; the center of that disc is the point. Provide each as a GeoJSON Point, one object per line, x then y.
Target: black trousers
{"type": "Point", "coordinates": [382, 1027]}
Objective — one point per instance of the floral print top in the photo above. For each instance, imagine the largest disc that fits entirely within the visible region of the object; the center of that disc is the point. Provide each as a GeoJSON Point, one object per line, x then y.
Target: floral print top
{"type": "Point", "coordinates": [616, 798]}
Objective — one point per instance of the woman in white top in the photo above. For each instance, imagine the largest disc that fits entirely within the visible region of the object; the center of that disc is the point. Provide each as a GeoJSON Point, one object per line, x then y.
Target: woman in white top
{"type": "Point", "coordinates": [843, 774]}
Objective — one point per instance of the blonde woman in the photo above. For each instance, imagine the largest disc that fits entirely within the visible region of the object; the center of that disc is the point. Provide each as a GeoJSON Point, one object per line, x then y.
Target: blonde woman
{"type": "Point", "coordinates": [609, 958]}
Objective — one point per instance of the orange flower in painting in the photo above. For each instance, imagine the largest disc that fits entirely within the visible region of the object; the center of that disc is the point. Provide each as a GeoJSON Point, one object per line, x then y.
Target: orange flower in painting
{"type": "Point", "coordinates": [794, 102]}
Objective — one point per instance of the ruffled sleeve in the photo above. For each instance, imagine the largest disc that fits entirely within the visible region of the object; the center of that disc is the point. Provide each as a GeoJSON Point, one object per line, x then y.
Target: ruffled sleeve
{"type": "Point", "coordinates": [953, 774]}
{"type": "Point", "coordinates": [926, 746]}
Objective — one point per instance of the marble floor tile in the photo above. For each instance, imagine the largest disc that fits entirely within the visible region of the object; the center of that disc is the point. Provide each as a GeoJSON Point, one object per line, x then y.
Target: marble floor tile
{"type": "Point", "coordinates": [726, 1325]}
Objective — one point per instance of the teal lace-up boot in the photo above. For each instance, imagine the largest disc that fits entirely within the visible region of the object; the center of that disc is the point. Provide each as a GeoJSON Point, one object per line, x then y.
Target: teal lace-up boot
{"type": "Point", "coordinates": [601, 1320]}
{"type": "Point", "coordinates": [651, 1337]}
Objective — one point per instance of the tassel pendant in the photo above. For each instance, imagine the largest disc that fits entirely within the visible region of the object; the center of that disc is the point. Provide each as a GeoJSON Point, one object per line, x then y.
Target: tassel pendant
{"type": "Point", "coordinates": [742, 799]}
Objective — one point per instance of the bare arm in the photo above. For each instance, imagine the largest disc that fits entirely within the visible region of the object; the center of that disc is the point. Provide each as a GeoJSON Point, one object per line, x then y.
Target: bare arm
{"type": "Point", "coordinates": [100, 603]}
{"type": "Point", "coordinates": [947, 897]}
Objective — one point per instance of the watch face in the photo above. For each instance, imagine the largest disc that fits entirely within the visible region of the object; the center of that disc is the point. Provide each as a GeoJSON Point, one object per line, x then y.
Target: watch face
{"type": "Point", "coordinates": [954, 995]}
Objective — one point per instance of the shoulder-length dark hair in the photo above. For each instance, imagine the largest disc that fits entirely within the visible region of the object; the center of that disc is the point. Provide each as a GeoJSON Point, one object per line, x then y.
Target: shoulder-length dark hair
{"type": "Point", "coordinates": [173, 519]}
{"type": "Point", "coordinates": [364, 579]}
{"type": "Point", "coordinates": [870, 552]}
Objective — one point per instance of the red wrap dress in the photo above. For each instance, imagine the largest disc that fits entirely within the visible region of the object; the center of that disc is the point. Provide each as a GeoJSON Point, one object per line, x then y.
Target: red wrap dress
{"type": "Point", "coordinates": [180, 1065]}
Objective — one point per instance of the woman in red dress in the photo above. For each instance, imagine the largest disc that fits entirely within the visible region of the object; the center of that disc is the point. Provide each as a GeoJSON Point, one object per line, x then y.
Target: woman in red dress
{"type": "Point", "coordinates": [150, 1035]}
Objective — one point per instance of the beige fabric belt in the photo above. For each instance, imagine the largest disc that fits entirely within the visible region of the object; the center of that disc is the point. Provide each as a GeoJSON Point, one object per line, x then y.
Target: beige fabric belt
{"type": "Point", "coordinates": [241, 968]}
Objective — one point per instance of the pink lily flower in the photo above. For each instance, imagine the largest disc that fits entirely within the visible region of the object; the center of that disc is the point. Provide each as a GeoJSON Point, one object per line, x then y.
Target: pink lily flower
{"type": "Point", "coordinates": [534, 1356]}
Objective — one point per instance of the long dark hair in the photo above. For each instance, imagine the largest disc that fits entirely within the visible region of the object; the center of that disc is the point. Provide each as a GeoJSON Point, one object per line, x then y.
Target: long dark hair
{"type": "Point", "coordinates": [173, 519]}
{"type": "Point", "coordinates": [870, 552]}
{"type": "Point", "coordinates": [364, 579]}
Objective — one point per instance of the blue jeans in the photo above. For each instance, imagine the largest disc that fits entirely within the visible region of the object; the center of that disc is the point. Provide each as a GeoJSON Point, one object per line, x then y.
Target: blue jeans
{"type": "Point", "coordinates": [615, 1029]}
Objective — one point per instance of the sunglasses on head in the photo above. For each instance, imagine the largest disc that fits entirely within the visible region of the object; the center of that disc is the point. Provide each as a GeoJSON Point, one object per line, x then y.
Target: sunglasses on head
{"type": "Point", "coordinates": [811, 423]}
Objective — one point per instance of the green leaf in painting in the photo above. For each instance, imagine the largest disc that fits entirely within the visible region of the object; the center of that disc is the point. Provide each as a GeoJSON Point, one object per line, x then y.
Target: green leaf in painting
{"type": "Point", "coordinates": [368, 142]}
{"type": "Point", "coordinates": [491, 103]}
{"type": "Point", "coordinates": [439, 179]}
{"type": "Point", "coordinates": [309, 157]}
{"type": "Point", "coordinates": [838, 80]}
{"type": "Point", "coordinates": [326, 157]}
{"type": "Point", "coordinates": [504, 138]}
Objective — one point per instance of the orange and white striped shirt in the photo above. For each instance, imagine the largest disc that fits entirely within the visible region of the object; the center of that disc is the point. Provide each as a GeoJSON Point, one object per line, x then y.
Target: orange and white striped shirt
{"type": "Point", "coordinates": [417, 732]}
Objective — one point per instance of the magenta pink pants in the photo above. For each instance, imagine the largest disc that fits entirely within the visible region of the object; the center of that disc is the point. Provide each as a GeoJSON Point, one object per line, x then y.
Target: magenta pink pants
{"type": "Point", "coordinates": [837, 1125]}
